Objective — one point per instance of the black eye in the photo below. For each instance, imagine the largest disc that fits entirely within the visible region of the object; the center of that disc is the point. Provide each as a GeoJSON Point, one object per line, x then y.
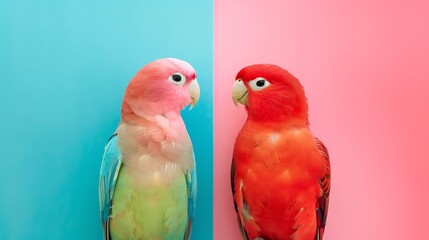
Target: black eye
{"type": "Point", "coordinates": [177, 77]}
{"type": "Point", "coordinates": [260, 83]}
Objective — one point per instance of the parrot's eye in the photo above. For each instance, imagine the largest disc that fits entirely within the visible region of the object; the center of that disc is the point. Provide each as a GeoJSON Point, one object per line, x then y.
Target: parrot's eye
{"type": "Point", "coordinates": [177, 78]}
{"type": "Point", "coordinates": [259, 84]}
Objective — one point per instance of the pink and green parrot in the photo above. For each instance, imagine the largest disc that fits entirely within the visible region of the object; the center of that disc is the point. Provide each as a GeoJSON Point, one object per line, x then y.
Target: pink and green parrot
{"type": "Point", "coordinates": [147, 179]}
{"type": "Point", "coordinates": [280, 174]}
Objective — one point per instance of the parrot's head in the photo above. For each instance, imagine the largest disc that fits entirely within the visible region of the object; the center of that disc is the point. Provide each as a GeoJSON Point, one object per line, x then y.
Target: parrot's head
{"type": "Point", "coordinates": [162, 87]}
{"type": "Point", "coordinates": [270, 93]}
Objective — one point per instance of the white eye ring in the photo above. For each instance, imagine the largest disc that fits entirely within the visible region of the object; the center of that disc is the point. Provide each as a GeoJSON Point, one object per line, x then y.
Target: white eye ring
{"type": "Point", "coordinates": [177, 78]}
{"type": "Point", "coordinates": [259, 83]}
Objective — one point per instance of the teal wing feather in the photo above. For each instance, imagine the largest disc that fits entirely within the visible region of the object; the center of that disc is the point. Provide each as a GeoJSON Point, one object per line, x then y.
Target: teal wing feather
{"type": "Point", "coordinates": [108, 175]}
{"type": "Point", "coordinates": [191, 184]}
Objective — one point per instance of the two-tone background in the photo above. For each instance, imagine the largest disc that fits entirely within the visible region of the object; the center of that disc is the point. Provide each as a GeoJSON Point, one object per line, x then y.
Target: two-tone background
{"type": "Point", "coordinates": [65, 64]}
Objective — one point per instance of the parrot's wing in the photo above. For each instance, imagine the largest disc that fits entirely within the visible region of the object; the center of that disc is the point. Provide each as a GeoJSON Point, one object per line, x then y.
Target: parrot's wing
{"type": "Point", "coordinates": [325, 185]}
{"type": "Point", "coordinates": [108, 175]}
{"type": "Point", "coordinates": [191, 184]}
{"type": "Point", "coordinates": [243, 231]}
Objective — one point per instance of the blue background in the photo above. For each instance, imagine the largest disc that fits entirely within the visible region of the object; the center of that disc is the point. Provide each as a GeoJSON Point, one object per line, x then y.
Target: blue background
{"type": "Point", "coordinates": [63, 68]}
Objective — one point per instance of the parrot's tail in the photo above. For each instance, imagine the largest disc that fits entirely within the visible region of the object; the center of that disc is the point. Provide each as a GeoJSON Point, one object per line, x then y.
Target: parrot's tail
{"type": "Point", "coordinates": [188, 231]}
{"type": "Point", "coordinates": [106, 230]}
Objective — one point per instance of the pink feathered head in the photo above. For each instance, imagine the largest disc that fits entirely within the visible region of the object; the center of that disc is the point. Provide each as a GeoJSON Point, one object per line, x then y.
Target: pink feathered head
{"type": "Point", "coordinates": [161, 87]}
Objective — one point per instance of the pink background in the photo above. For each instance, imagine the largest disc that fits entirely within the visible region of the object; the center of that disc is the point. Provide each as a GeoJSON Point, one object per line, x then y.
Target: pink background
{"type": "Point", "coordinates": [365, 67]}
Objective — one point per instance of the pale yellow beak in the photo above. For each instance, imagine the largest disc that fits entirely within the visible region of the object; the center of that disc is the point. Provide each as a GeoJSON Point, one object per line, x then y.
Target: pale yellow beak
{"type": "Point", "coordinates": [239, 93]}
{"type": "Point", "coordinates": [194, 92]}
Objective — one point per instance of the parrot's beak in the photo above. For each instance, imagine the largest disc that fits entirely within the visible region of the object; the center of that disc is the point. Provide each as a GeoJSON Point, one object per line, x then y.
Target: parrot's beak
{"type": "Point", "coordinates": [194, 92]}
{"type": "Point", "coordinates": [239, 93]}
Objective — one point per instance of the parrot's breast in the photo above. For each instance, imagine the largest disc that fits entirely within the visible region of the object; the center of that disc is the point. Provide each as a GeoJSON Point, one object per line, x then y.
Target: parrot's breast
{"type": "Point", "coordinates": [276, 182]}
{"type": "Point", "coordinates": [150, 207]}
{"type": "Point", "coordinates": [150, 200]}
{"type": "Point", "coordinates": [162, 140]}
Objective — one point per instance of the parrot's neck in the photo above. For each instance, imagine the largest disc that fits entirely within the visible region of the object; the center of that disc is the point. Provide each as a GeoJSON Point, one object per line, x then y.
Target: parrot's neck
{"type": "Point", "coordinates": [140, 113]}
{"type": "Point", "coordinates": [277, 124]}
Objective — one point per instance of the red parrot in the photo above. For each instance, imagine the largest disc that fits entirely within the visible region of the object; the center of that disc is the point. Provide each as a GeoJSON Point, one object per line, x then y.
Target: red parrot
{"type": "Point", "coordinates": [280, 174]}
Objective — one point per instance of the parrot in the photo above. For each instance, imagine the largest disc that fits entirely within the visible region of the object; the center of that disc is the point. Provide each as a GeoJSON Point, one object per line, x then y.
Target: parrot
{"type": "Point", "coordinates": [147, 184]}
{"type": "Point", "coordinates": [280, 173]}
